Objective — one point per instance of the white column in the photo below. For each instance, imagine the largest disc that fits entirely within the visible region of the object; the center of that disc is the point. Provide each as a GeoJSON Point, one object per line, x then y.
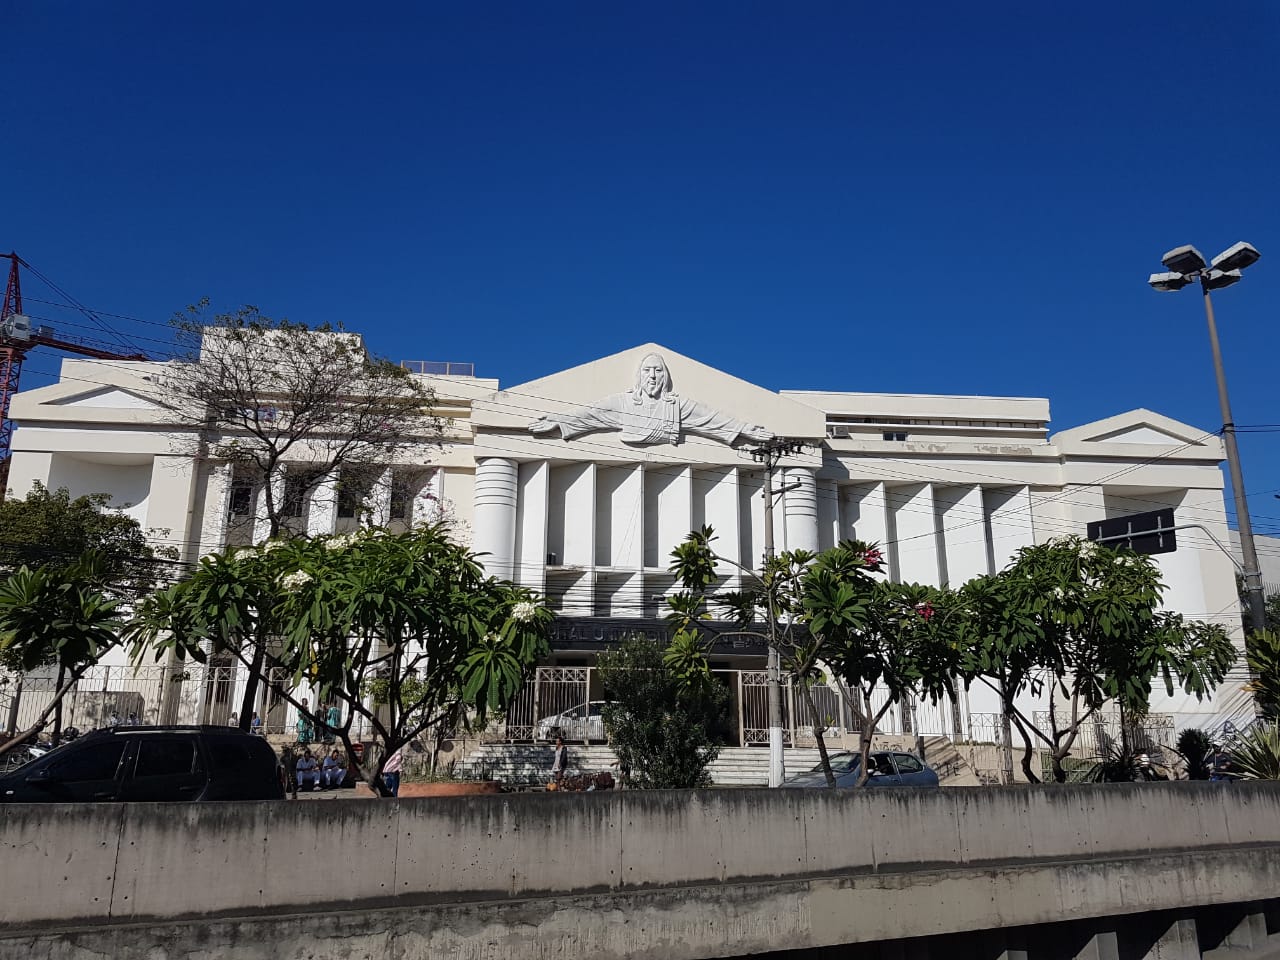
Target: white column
{"type": "Point", "coordinates": [495, 515]}
{"type": "Point", "coordinates": [828, 514]}
{"type": "Point", "coordinates": [1009, 513]}
{"type": "Point", "coordinates": [169, 502]}
{"type": "Point", "coordinates": [217, 505]}
{"type": "Point", "coordinates": [964, 535]}
{"type": "Point", "coordinates": [531, 525]}
{"type": "Point", "coordinates": [865, 514]}
{"type": "Point", "coordinates": [800, 505]}
{"type": "Point", "coordinates": [426, 502]}
{"type": "Point", "coordinates": [1009, 518]}
{"type": "Point", "coordinates": [261, 521]}
{"type": "Point", "coordinates": [915, 533]}
{"type": "Point", "coordinates": [322, 507]}
{"type": "Point", "coordinates": [379, 512]}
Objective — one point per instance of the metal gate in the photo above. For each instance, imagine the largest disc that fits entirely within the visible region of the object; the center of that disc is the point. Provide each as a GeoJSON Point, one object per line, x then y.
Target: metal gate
{"type": "Point", "coordinates": [754, 707]}
{"type": "Point", "coordinates": [552, 692]}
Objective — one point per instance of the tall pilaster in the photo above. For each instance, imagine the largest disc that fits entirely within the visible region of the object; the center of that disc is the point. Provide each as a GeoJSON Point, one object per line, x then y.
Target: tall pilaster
{"type": "Point", "coordinates": [495, 515]}
{"type": "Point", "coordinates": [261, 521]}
{"type": "Point", "coordinates": [217, 507]}
{"type": "Point", "coordinates": [915, 534]}
{"type": "Point", "coordinates": [379, 514]}
{"type": "Point", "coordinates": [322, 507]}
{"type": "Point", "coordinates": [427, 502]}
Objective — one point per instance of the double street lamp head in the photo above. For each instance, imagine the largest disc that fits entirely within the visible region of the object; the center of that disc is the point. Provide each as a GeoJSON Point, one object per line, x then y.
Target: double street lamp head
{"type": "Point", "coordinates": [1186, 264]}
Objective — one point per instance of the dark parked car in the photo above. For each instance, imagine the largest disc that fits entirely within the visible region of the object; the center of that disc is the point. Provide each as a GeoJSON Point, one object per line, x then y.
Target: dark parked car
{"type": "Point", "coordinates": [888, 769]}
{"type": "Point", "coordinates": [150, 764]}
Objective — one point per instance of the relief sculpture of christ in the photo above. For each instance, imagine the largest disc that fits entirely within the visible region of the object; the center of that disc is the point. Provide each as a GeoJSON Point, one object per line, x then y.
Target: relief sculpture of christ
{"type": "Point", "coordinates": [650, 412]}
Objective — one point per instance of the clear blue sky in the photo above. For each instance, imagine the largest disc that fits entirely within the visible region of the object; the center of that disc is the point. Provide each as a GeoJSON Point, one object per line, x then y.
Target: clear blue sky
{"type": "Point", "coordinates": [936, 197]}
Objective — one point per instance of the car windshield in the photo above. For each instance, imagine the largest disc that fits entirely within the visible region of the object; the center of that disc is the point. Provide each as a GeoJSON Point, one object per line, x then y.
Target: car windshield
{"type": "Point", "coordinates": [840, 763]}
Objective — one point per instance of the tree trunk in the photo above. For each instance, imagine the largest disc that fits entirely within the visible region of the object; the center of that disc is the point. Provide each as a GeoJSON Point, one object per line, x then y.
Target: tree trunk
{"type": "Point", "coordinates": [251, 685]}
{"type": "Point", "coordinates": [817, 733]}
{"type": "Point", "coordinates": [1026, 751]}
{"type": "Point", "coordinates": [11, 726]}
{"type": "Point", "coordinates": [57, 711]}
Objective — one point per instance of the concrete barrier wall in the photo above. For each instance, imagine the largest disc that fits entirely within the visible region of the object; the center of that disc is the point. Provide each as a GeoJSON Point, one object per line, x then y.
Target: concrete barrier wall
{"type": "Point", "coordinates": [67, 865]}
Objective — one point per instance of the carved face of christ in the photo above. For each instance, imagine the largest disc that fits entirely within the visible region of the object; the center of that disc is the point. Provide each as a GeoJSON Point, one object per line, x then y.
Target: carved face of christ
{"type": "Point", "coordinates": [653, 376]}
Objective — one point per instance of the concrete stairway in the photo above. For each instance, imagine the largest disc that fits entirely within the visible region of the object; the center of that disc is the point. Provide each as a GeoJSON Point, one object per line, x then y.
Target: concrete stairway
{"type": "Point", "coordinates": [530, 764]}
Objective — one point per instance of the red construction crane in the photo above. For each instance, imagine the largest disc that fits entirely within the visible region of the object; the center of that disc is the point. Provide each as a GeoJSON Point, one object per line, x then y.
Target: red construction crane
{"type": "Point", "coordinates": [16, 338]}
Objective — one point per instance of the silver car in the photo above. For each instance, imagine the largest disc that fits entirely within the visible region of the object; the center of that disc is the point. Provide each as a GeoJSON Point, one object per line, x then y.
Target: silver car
{"type": "Point", "coordinates": [584, 722]}
{"type": "Point", "coordinates": [888, 769]}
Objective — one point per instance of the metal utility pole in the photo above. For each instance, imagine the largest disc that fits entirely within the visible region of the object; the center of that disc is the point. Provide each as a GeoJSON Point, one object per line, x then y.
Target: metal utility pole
{"type": "Point", "coordinates": [1187, 264]}
{"type": "Point", "coordinates": [1248, 550]}
{"type": "Point", "coordinates": [770, 453]}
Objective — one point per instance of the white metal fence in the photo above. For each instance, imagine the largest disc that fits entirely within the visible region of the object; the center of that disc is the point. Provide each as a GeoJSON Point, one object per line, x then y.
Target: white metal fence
{"type": "Point", "coordinates": [556, 698]}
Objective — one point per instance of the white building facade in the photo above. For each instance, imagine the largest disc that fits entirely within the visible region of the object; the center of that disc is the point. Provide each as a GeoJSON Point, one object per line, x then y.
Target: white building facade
{"type": "Point", "coordinates": [579, 485]}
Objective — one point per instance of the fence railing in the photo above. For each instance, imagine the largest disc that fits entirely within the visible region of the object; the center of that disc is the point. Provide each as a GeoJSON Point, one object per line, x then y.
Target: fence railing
{"type": "Point", "coordinates": [568, 701]}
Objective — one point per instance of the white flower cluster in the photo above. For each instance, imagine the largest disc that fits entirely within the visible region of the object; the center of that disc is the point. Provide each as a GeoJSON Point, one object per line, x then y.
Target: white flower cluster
{"type": "Point", "coordinates": [244, 553]}
{"type": "Point", "coordinates": [272, 545]}
{"type": "Point", "coordinates": [299, 578]}
{"type": "Point", "coordinates": [340, 542]}
{"type": "Point", "coordinates": [524, 611]}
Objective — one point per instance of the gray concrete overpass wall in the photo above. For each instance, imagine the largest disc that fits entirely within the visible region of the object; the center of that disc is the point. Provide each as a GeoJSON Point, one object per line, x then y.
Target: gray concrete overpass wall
{"type": "Point", "coordinates": [664, 874]}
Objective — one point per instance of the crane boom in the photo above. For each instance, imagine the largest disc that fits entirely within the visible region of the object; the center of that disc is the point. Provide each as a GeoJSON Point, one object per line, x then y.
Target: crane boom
{"type": "Point", "coordinates": [16, 338]}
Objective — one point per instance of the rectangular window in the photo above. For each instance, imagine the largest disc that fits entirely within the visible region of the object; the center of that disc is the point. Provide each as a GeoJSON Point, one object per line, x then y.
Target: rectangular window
{"type": "Point", "coordinates": [165, 757]}
{"type": "Point", "coordinates": [350, 496]}
{"type": "Point", "coordinates": [90, 762]}
{"type": "Point", "coordinates": [900, 437]}
{"type": "Point", "coordinates": [295, 496]}
{"type": "Point", "coordinates": [401, 497]}
{"type": "Point", "coordinates": [241, 498]}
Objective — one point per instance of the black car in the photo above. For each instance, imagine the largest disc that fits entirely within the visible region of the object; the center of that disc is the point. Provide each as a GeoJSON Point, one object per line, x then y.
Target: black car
{"type": "Point", "coordinates": [150, 764]}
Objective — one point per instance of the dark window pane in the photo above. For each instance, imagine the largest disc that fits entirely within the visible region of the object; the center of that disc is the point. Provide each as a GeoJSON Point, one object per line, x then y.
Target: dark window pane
{"type": "Point", "coordinates": [90, 762]}
{"type": "Point", "coordinates": [907, 763]}
{"type": "Point", "coordinates": [241, 498]}
{"type": "Point", "coordinates": [295, 496]}
{"type": "Point", "coordinates": [226, 754]}
{"type": "Point", "coordinates": [165, 758]}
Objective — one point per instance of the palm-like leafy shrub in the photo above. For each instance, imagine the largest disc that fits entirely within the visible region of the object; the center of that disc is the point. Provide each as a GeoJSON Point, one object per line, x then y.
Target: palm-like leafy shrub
{"type": "Point", "coordinates": [1194, 746]}
{"type": "Point", "coordinates": [1255, 754]}
{"type": "Point", "coordinates": [1262, 651]}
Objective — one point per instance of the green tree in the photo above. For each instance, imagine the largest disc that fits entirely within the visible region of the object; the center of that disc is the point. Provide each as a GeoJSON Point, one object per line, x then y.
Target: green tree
{"type": "Point", "coordinates": [411, 618]}
{"type": "Point", "coordinates": [290, 407]}
{"type": "Point", "coordinates": [663, 713]}
{"type": "Point", "coordinates": [60, 616]}
{"type": "Point", "coordinates": [828, 610]}
{"type": "Point", "coordinates": [1081, 623]}
{"type": "Point", "coordinates": [1262, 653]}
{"type": "Point", "coordinates": [900, 649]}
{"type": "Point", "coordinates": [50, 528]}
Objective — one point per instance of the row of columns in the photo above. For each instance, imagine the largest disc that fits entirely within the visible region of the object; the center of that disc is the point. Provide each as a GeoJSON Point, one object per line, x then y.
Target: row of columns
{"type": "Point", "coordinates": [937, 534]}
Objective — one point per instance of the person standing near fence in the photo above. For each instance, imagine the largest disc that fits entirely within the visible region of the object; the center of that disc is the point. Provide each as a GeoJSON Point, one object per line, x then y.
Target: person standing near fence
{"type": "Point", "coordinates": [559, 762]}
{"type": "Point", "coordinates": [391, 772]}
{"type": "Point", "coordinates": [306, 732]}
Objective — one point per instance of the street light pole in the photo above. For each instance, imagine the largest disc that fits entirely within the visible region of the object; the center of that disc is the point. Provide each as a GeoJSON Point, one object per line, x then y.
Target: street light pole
{"type": "Point", "coordinates": [1187, 264]}
{"type": "Point", "coordinates": [770, 453]}
{"type": "Point", "coordinates": [777, 759]}
{"type": "Point", "coordinates": [1249, 552]}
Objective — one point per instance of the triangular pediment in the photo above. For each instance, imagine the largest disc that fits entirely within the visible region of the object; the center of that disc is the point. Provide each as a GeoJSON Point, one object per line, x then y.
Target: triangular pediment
{"type": "Point", "coordinates": [107, 397]}
{"type": "Point", "coordinates": [700, 401]}
{"type": "Point", "coordinates": [1139, 427]}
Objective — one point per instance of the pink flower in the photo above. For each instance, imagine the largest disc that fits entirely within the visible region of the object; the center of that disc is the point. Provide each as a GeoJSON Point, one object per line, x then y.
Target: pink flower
{"type": "Point", "coordinates": [925, 610]}
{"type": "Point", "coordinates": [873, 558]}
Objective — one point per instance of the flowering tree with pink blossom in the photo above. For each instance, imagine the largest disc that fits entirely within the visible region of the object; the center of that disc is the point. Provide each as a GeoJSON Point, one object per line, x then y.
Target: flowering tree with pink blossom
{"type": "Point", "coordinates": [821, 611]}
